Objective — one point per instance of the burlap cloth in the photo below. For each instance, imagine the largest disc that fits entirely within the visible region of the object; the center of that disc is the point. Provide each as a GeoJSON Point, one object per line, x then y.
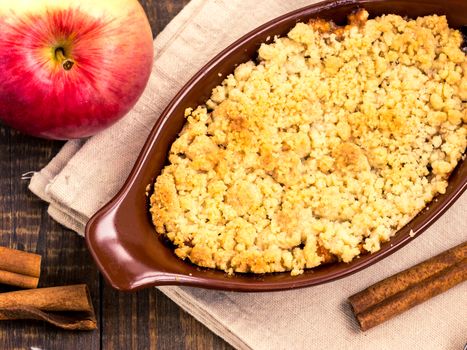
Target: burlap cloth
{"type": "Point", "coordinates": [86, 174]}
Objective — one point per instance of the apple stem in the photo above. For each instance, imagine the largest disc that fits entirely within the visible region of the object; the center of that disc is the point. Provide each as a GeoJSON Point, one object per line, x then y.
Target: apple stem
{"type": "Point", "coordinates": [67, 63]}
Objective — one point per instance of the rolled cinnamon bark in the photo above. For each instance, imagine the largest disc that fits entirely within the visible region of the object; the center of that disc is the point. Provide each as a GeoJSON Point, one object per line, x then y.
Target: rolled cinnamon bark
{"type": "Point", "coordinates": [18, 280]}
{"type": "Point", "coordinates": [17, 261]}
{"type": "Point", "coordinates": [68, 307]}
{"type": "Point", "coordinates": [407, 278]}
{"type": "Point", "coordinates": [19, 268]}
{"type": "Point", "coordinates": [70, 322]}
{"type": "Point", "coordinates": [414, 295]}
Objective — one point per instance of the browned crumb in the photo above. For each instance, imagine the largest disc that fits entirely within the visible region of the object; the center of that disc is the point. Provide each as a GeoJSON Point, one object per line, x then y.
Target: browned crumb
{"type": "Point", "coordinates": [338, 137]}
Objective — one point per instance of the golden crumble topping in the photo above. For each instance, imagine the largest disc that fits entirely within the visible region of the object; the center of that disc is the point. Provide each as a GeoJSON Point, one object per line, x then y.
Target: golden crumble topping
{"type": "Point", "coordinates": [324, 148]}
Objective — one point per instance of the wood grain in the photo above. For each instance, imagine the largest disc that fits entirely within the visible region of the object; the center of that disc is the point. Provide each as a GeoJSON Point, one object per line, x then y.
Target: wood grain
{"type": "Point", "coordinates": [144, 320]}
{"type": "Point", "coordinates": [24, 225]}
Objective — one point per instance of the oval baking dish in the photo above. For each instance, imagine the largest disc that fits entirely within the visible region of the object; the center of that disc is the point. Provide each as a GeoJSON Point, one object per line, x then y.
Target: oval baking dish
{"type": "Point", "coordinates": [123, 240]}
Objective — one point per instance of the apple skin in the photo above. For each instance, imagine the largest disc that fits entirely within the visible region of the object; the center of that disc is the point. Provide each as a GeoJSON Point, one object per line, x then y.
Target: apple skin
{"type": "Point", "coordinates": [109, 44]}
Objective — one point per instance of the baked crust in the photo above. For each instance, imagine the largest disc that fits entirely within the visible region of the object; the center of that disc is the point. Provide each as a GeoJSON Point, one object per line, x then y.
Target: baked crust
{"type": "Point", "coordinates": [322, 150]}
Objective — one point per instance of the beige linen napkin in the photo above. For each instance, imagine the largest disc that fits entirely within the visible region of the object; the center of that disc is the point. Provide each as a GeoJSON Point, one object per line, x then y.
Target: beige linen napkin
{"type": "Point", "coordinates": [86, 174]}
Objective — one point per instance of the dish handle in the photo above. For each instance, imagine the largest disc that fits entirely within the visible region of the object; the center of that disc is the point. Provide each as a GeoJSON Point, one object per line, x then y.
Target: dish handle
{"type": "Point", "coordinates": [126, 259]}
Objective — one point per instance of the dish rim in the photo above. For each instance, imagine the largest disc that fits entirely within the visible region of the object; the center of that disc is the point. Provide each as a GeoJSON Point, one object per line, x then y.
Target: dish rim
{"type": "Point", "coordinates": [160, 278]}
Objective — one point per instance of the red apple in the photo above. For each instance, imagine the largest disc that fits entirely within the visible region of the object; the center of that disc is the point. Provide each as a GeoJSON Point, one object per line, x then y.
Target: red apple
{"type": "Point", "coordinates": [71, 68]}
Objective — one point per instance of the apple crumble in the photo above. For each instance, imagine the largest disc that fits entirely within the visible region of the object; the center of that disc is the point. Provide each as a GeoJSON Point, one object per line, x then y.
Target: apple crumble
{"type": "Point", "coordinates": [320, 150]}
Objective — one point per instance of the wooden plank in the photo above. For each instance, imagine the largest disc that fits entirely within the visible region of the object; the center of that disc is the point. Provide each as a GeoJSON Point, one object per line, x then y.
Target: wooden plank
{"type": "Point", "coordinates": [149, 320]}
{"type": "Point", "coordinates": [24, 224]}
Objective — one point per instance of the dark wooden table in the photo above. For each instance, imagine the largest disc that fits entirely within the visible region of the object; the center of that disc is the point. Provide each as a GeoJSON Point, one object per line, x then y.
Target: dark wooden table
{"type": "Point", "coordinates": [144, 320]}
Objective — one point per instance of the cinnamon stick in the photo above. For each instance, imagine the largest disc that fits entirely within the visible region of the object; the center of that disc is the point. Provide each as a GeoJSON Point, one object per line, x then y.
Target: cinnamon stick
{"type": "Point", "coordinates": [67, 307]}
{"type": "Point", "coordinates": [403, 280]}
{"type": "Point", "coordinates": [18, 280]}
{"type": "Point", "coordinates": [413, 296]}
{"type": "Point", "coordinates": [18, 268]}
{"type": "Point", "coordinates": [73, 322]}
{"type": "Point", "coordinates": [410, 287]}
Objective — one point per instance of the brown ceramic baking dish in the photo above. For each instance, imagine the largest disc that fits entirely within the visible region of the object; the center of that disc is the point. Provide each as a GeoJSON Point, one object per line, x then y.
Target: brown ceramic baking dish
{"type": "Point", "coordinates": [121, 236]}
